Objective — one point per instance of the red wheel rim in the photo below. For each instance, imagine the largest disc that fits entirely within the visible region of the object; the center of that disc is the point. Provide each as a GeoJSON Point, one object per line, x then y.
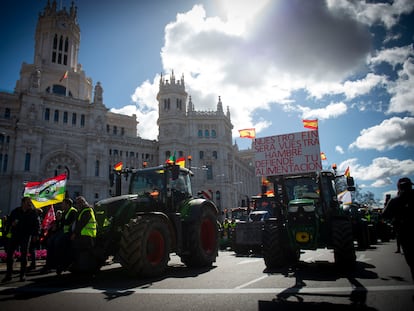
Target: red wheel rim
{"type": "Point", "coordinates": [155, 247]}
{"type": "Point", "coordinates": [207, 235]}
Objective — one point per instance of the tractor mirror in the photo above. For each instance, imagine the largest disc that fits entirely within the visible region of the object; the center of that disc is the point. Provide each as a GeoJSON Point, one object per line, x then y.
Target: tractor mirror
{"type": "Point", "coordinates": [350, 183]}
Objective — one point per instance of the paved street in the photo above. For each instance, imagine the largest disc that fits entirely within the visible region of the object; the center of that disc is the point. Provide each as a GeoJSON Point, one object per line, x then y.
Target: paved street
{"type": "Point", "coordinates": [381, 282]}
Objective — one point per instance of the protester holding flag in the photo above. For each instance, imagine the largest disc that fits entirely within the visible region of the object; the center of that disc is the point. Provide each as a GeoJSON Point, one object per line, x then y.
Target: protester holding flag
{"type": "Point", "coordinates": [24, 228]}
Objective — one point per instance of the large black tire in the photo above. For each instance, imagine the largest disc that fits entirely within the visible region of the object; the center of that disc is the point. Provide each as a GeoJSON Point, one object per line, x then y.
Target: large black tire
{"type": "Point", "coordinates": [363, 236]}
{"type": "Point", "coordinates": [145, 247]}
{"type": "Point", "coordinates": [273, 250]}
{"type": "Point", "coordinates": [203, 240]}
{"type": "Point", "coordinates": [239, 249]}
{"type": "Point", "coordinates": [343, 244]}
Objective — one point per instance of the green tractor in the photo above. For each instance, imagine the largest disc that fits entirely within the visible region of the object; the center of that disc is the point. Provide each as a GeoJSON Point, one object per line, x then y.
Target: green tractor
{"type": "Point", "coordinates": [310, 217]}
{"type": "Point", "coordinates": [159, 216]}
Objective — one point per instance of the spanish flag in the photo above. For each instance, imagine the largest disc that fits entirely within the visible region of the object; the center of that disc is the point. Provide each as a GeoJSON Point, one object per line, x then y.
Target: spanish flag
{"type": "Point", "coordinates": [118, 166]}
{"type": "Point", "coordinates": [65, 76]}
{"type": "Point", "coordinates": [311, 124]}
{"type": "Point", "coordinates": [347, 172]}
{"type": "Point", "coordinates": [248, 133]}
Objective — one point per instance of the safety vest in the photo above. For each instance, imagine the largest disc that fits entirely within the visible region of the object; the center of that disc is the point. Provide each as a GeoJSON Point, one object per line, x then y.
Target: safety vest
{"type": "Point", "coordinates": [90, 228]}
{"type": "Point", "coordinates": [66, 227]}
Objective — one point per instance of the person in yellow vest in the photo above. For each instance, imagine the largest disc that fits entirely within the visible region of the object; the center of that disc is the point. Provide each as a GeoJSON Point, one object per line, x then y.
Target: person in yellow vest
{"type": "Point", "coordinates": [64, 245]}
{"type": "Point", "coordinates": [83, 236]}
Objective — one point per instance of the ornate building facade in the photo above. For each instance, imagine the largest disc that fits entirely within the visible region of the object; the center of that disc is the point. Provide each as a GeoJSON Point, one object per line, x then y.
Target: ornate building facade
{"type": "Point", "coordinates": [56, 121]}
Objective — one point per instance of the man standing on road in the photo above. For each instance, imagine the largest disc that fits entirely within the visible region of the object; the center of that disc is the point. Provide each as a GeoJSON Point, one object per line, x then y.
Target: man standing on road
{"type": "Point", "coordinates": [83, 236]}
{"type": "Point", "coordinates": [401, 209]}
{"type": "Point", "coordinates": [24, 229]}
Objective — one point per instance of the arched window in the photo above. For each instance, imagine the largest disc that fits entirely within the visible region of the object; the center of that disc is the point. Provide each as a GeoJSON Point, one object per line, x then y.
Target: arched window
{"type": "Point", "coordinates": [82, 120]}
{"type": "Point", "coordinates": [27, 162]}
{"type": "Point", "coordinates": [200, 133]}
{"type": "Point", "coordinates": [207, 133]}
{"type": "Point", "coordinates": [213, 133]}
{"type": "Point", "coordinates": [47, 114]}
{"type": "Point", "coordinates": [201, 155]}
{"type": "Point", "coordinates": [97, 168]}
{"type": "Point", "coordinates": [215, 155]}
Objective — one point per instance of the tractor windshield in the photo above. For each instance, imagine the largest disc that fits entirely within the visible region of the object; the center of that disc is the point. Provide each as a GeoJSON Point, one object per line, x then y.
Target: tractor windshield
{"type": "Point", "coordinates": [152, 182]}
{"type": "Point", "coordinates": [147, 182]}
{"type": "Point", "coordinates": [301, 188]}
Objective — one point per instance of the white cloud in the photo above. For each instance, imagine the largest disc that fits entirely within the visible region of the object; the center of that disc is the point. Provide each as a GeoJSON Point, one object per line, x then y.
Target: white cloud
{"type": "Point", "coordinates": [380, 171]}
{"type": "Point", "coordinates": [402, 90]}
{"type": "Point", "coordinates": [373, 13]}
{"type": "Point", "coordinates": [387, 135]}
{"type": "Point", "coordinates": [333, 110]}
{"type": "Point", "coordinates": [339, 149]}
{"type": "Point", "coordinates": [293, 45]}
{"type": "Point", "coordinates": [393, 56]}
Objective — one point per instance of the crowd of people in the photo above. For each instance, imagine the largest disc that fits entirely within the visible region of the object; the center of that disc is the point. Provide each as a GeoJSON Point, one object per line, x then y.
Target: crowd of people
{"type": "Point", "coordinates": [72, 231]}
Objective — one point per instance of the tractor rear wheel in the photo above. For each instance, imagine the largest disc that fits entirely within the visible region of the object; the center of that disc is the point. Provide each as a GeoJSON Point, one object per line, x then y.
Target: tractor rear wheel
{"type": "Point", "coordinates": [203, 242]}
{"type": "Point", "coordinates": [343, 244]}
{"type": "Point", "coordinates": [273, 251]}
{"type": "Point", "coordinates": [145, 246]}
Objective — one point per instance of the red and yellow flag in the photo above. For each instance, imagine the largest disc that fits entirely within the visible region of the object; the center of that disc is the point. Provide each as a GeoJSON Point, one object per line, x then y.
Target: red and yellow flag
{"type": "Point", "coordinates": [323, 156]}
{"type": "Point", "coordinates": [118, 166]}
{"type": "Point", "coordinates": [347, 172]}
{"type": "Point", "coordinates": [248, 133]}
{"type": "Point", "coordinates": [65, 76]}
{"type": "Point", "coordinates": [180, 162]}
{"type": "Point", "coordinates": [310, 124]}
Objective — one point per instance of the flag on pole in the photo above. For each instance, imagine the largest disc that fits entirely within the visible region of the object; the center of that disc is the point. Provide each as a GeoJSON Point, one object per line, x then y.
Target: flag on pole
{"type": "Point", "coordinates": [118, 166]}
{"type": "Point", "coordinates": [49, 218]}
{"type": "Point", "coordinates": [47, 192]}
{"type": "Point", "coordinates": [310, 124]}
{"type": "Point", "coordinates": [347, 172]}
{"type": "Point", "coordinates": [323, 156]}
{"type": "Point", "coordinates": [65, 76]}
{"type": "Point", "coordinates": [248, 133]}
{"type": "Point", "coordinates": [180, 162]}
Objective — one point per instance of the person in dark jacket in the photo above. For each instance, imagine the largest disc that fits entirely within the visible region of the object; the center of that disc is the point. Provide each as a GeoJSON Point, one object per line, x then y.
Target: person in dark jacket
{"type": "Point", "coordinates": [401, 209]}
{"type": "Point", "coordinates": [23, 228]}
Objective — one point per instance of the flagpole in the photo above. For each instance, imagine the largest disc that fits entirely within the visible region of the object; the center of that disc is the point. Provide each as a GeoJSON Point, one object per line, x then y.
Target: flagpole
{"type": "Point", "coordinates": [67, 85]}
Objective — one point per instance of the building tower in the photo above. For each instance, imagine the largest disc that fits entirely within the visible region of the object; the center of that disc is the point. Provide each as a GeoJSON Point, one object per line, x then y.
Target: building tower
{"type": "Point", "coordinates": [55, 68]}
{"type": "Point", "coordinates": [172, 118]}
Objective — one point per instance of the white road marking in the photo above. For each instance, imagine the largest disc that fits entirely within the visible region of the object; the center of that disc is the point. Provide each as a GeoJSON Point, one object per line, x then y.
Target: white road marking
{"type": "Point", "coordinates": [251, 282]}
{"type": "Point", "coordinates": [250, 261]}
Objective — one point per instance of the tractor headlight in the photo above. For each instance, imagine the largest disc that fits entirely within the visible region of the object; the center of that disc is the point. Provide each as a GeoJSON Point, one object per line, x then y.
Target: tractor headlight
{"type": "Point", "coordinates": [308, 208]}
{"type": "Point", "coordinates": [293, 208]}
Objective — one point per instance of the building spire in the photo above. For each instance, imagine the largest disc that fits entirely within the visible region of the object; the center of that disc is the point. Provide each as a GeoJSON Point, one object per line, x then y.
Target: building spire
{"type": "Point", "coordinates": [220, 105]}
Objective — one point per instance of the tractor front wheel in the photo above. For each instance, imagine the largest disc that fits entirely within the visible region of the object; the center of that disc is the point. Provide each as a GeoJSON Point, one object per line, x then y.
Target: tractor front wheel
{"type": "Point", "coordinates": [203, 242]}
{"type": "Point", "coordinates": [145, 247]}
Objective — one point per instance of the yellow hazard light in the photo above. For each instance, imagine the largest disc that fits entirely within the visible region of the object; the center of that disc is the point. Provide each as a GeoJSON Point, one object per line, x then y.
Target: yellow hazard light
{"type": "Point", "coordinates": [302, 237]}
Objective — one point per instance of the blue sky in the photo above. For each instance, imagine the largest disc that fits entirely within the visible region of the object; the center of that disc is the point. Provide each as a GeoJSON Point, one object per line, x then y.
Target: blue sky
{"type": "Point", "coordinates": [348, 63]}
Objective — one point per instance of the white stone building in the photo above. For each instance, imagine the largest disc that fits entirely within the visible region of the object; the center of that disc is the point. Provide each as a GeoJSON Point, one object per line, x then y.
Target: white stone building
{"type": "Point", "coordinates": [56, 121]}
